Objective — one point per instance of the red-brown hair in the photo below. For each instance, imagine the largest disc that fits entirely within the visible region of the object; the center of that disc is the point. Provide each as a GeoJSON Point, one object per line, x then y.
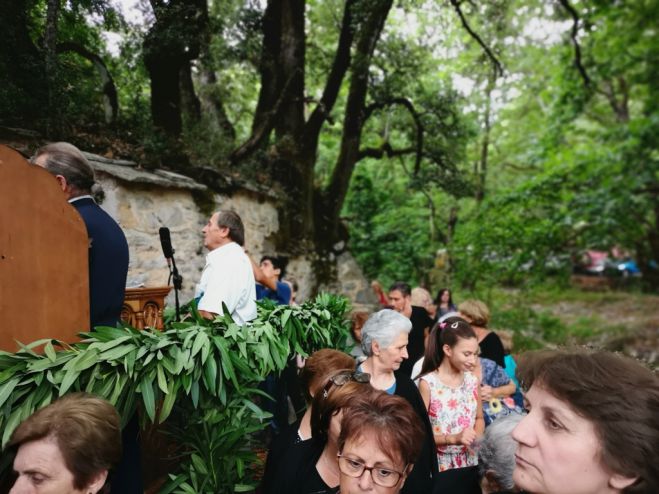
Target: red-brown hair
{"type": "Point", "coordinates": [397, 427]}
{"type": "Point", "coordinates": [319, 366]}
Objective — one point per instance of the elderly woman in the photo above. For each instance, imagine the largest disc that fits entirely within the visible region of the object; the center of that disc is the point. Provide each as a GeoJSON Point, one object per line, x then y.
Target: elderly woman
{"type": "Point", "coordinates": [592, 425]}
{"type": "Point", "coordinates": [67, 447]}
{"type": "Point", "coordinates": [496, 455]}
{"type": "Point", "coordinates": [384, 341]}
{"type": "Point", "coordinates": [380, 440]}
{"type": "Point", "coordinates": [310, 467]}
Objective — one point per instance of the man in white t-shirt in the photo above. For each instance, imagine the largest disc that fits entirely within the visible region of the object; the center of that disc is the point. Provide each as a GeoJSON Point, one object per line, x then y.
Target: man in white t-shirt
{"type": "Point", "coordinates": [227, 277]}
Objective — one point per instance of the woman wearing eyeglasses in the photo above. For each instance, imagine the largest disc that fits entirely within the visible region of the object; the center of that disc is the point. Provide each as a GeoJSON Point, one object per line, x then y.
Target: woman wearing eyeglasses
{"type": "Point", "coordinates": [311, 467]}
{"type": "Point", "coordinates": [384, 341]}
{"type": "Point", "coordinates": [379, 443]}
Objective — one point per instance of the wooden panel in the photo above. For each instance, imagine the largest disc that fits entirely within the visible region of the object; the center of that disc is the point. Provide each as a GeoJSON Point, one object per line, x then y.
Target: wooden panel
{"type": "Point", "coordinates": [44, 285]}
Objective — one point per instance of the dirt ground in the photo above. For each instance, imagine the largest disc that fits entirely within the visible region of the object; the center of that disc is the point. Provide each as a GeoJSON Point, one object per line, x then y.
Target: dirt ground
{"type": "Point", "coordinates": [627, 322]}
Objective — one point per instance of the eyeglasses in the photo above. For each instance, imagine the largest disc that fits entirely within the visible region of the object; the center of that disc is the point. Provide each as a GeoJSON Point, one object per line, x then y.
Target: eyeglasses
{"type": "Point", "coordinates": [384, 477]}
{"type": "Point", "coordinates": [345, 377]}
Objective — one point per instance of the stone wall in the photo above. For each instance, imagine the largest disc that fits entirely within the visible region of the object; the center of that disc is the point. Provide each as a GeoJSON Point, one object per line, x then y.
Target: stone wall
{"type": "Point", "coordinates": [142, 202]}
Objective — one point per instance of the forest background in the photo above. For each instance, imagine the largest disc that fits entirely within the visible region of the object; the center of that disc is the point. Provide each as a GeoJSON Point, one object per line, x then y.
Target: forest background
{"type": "Point", "coordinates": [509, 136]}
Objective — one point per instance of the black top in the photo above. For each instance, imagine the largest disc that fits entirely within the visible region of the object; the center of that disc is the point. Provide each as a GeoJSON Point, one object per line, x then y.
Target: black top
{"type": "Point", "coordinates": [415, 347]}
{"type": "Point", "coordinates": [492, 348]}
{"type": "Point", "coordinates": [296, 471]}
{"type": "Point", "coordinates": [108, 263]}
{"type": "Point", "coordinates": [279, 446]}
{"type": "Point", "coordinates": [425, 470]}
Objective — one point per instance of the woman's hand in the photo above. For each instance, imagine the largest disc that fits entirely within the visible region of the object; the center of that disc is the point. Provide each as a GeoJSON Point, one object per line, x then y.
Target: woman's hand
{"type": "Point", "coordinates": [466, 437]}
{"type": "Point", "coordinates": [487, 393]}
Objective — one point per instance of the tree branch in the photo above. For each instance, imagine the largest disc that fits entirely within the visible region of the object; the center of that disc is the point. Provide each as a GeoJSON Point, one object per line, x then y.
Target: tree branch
{"type": "Point", "coordinates": [407, 104]}
{"type": "Point", "coordinates": [337, 73]}
{"type": "Point", "coordinates": [573, 34]}
{"type": "Point", "coordinates": [498, 69]}
{"type": "Point", "coordinates": [109, 89]}
{"type": "Point", "coordinates": [435, 228]}
{"type": "Point", "coordinates": [262, 130]}
{"type": "Point", "coordinates": [385, 149]}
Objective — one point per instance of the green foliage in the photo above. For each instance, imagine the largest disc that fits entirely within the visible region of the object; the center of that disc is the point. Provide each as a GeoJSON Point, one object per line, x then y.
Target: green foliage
{"type": "Point", "coordinates": [203, 373]}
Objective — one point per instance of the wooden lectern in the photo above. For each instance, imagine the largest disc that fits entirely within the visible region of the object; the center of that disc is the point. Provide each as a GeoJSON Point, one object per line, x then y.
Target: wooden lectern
{"type": "Point", "coordinates": [44, 281]}
{"type": "Point", "coordinates": [143, 307]}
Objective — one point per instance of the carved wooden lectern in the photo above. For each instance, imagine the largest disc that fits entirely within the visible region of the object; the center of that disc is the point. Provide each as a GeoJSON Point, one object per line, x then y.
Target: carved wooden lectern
{"type": "Point", "coordinates": [143, 307]}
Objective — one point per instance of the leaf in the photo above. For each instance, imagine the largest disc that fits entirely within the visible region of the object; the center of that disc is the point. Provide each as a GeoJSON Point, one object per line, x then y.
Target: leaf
{"type": "Point", "coordinates": [146, 388]}
{"type": "Point", "coordinates": [85, 360]}
{"type": "Point", "coordinates": [117, 353]}
{"type": "Point", "coordinates": [200, 341]}
{"type": "Point", "coordinates": [162, 381]}
{"type": "Point", "coordinates": [69, 378]}
{"type": "Point", "coordinates": [243, 488]}
{"type": "Point", "coordinates": [210, 374]}
{"type": "Point", "coordinates": [50, 351]}
{"type": "Point", "coordinates": [6, 390]}
{"type": "Point", "coordinates": [285, 317]}
{"type": "Point", "coordinates": [168, 402]}
{"type": "Point", "coordinates": [12, 423]}
{"type": "Point", "coordinates": [199, 464]}
{"type": "Point", "coordinates": [107, 333]}
{"type": "Point", "coordinates": [194, 393]}
{"type": "Point", "coordinates": [173, 484]}
{"type": "Point", "coordinates": [102, 347]}
{"type": "Point", "coordinates": [225, 359]}
{"type": "Point", "coordinates": [119, 386]}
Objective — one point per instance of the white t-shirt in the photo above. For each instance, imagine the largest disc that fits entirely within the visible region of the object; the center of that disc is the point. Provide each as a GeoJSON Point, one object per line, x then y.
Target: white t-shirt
{"type": "Point", "coordinates": [228, 278]}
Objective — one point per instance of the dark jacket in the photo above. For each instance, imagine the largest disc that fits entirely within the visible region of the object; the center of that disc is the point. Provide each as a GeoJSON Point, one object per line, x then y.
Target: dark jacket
{"type": "Point", "coordinates": [422, 478]}
{"type": "Point", "coordinates": [108, 263]}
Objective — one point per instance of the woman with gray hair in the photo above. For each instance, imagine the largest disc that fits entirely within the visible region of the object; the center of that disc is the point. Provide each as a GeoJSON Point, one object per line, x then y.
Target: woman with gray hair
{"type": "Point", "coordinates": [497, 455]}
{"type": "Point", "coordinates": [384, 342]}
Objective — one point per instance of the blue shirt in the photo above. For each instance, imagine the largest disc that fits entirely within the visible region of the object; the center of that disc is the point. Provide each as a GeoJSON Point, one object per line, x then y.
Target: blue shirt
{"type": "Point", "coordinates": [282, 295]}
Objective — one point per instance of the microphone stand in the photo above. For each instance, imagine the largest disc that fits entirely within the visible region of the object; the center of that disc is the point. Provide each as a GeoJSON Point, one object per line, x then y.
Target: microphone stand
{"type": "Point", "coordinates": [178, 283]}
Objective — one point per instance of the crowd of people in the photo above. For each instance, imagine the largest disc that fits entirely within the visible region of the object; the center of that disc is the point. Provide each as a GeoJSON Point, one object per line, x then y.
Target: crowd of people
{"type": "Point", "coordinates": [428, 400]}
{"type": "Point", "coordinates": [590, 426]}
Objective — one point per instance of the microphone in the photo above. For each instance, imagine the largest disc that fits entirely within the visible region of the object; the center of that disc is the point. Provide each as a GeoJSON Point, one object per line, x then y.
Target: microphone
{"type": "Point", "coordinates": [166, 243]}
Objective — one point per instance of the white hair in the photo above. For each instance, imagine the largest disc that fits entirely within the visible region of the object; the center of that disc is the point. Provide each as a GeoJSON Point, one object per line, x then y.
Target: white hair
{"type": "Point", "coordinates": [384, 327]}
{"type": "Point", "coordinates": [497, 450]}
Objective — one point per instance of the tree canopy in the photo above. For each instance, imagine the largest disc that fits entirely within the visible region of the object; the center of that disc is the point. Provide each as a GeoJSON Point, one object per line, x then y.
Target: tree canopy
{"type": "Point", "coordinates": [513, 134]}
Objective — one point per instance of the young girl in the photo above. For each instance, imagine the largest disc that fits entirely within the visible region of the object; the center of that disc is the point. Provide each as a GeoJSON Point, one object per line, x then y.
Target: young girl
{"type": "Point", "coordinates": [450, 392]}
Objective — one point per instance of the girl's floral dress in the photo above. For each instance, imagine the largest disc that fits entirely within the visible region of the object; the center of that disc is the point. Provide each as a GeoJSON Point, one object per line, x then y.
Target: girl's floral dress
{"type": "Point", "coordinates": [452, 410]}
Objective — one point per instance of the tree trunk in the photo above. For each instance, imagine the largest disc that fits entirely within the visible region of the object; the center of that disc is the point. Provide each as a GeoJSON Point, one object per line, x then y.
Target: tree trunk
{"type": "Point", "coordinates": [50, 46]}
{"type": "Point", "coordinates": [169, 46]}
{"type": "Point", "coordinates": [367, 37]}
{"type": "Point", "coordinates": [481, 175]}
{"type": "Point", "coordinates": [190, 104]}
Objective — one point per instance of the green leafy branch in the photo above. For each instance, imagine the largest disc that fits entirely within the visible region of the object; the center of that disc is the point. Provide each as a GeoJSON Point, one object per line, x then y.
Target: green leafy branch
{"type": "Point", "coordinates": [207, 371]}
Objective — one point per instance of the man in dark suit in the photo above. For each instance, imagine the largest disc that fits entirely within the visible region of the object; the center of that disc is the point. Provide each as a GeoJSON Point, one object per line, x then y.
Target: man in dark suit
{"type": "Point", "coordinates": [108, 249]}
{"type": "Point", "coordinates": [108, 268]}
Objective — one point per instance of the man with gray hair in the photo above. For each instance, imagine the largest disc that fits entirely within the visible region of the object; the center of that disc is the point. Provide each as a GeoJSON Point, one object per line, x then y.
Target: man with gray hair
{"type": "Point", "coordinates": [108, 269]}
{"type": "Point", "coordinates": [227, 278]}
{"type": "Point", "coordinates": [108, 249]}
